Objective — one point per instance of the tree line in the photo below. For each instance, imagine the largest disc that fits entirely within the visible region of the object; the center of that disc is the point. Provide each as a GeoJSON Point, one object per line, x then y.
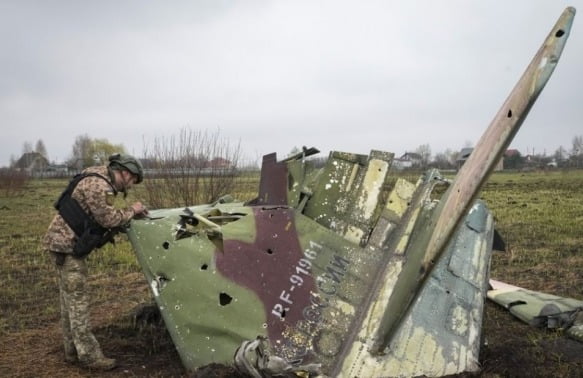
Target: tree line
{"type": "Point", "coordinates": [87, 151]}
{"type": "Point", "coordinates": [513, 159]}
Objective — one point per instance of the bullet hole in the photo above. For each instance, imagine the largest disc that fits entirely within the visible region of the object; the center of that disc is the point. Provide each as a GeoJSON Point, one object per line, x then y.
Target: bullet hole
{"type": "Point", "coordinates": [269, 251]}
{"type": "Point", "coordinates": [264, 325]}
{"type": "Point", "coordinates": [283, 314]}
{"type": "Point", "coordinates": [161, 281]}
{"type": "Point", "coordinates": [204, 267]}
{"type": "Point", "coordinates": [509, 115]}
{"type": "Point", "coordinates": [271, 215]}
{"type": "Point", "coordinates": [559, 33]}
{"type": "Point", "coordinates": [225, 299]}
{"type": "Point", "coordinates": [515, 303]}
{"type": "Point", "coordinates": [165, 245]}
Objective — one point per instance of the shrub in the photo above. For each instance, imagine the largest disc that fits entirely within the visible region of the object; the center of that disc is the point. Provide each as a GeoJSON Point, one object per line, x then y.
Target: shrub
{"type": "Point", "coordinates": [191, 168]}
{"type": "Point", "coordinates": [12, 181]}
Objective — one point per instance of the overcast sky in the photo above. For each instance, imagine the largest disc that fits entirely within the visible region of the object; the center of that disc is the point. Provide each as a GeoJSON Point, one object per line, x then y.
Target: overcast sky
{"type": "Point", "coordinates": [338, 75]}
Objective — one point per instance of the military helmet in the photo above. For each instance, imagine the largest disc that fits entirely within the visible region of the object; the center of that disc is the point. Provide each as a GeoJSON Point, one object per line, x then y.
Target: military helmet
{"type": "Point", "coordinates": [129, 163]}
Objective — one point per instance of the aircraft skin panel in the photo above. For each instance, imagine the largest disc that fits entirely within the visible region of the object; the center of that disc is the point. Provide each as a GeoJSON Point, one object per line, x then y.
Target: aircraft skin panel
{"type": "Point", "coordinates": [296, 283]}
{"type": "Point", "coordinates": [441, 333]}
{"type": "Point", "coordinates": [343, 272]}
{"type": "Point", "coordinates": [187, 286]}
{"type": "Point", "coordinates": [540, 309]}
{"type": "Point", "coordinates": [271, 271]}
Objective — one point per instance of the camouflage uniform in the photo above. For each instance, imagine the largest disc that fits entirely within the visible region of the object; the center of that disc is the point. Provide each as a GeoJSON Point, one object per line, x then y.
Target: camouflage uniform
{"type": "Point", "coordinates": [95, 196]}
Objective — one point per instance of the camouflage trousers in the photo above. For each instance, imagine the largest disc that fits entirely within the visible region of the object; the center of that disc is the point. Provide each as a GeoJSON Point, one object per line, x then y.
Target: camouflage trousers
{"type": "Point", "coordinates": [79, 341]}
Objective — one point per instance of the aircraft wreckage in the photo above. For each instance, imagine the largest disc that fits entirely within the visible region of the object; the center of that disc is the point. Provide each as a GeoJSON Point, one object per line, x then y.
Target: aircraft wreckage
{"type": "Point", "coordinates": [338, 271]}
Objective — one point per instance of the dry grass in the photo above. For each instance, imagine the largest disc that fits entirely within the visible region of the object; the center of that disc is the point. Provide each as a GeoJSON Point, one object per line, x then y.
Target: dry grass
{"type": "Point", "coordinates": [539, 214]}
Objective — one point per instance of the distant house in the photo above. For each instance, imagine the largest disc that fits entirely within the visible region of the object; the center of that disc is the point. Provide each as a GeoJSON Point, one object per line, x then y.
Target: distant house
{"type": "Point", "coordinates": [58, 168]}
{"type": "Point", "coordinates": [511, 153]}
{"type": "Point", "coordinates": [463, 156]}
{"type": "Point", "coordinates": [31, 162]}
{"type": "Point", "coordinates": [467, 151]}
{"type": "Point", "coordinates": [219, 163]}
{"type": "Point", "coordinates": [407, 160]}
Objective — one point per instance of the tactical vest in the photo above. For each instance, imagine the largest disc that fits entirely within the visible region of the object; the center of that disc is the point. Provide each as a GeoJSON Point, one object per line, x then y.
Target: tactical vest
{"type": "Point", "coordinates": [90, 234]}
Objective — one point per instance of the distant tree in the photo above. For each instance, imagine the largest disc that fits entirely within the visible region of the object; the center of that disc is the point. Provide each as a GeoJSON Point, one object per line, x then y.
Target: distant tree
{"type": "Point", "coordinates": [560, 154]}
{"type": "Point", "coordinates": [440, 161]}
{"type": "Point", "coordinates": [577, 151]}
{"type": "Point", "coordinates": [81, 154]}
{"type": "Point", "coordinates": [102, 149]}
{"type": "Point", "coordinates": [293, 151]}
{"type": "Point", "coordinates": [577, 145]}
{"type": "Point", "coordinates": [27, 148]}
{"type": "Point", "coordinates": [445, 159]}
{"type": "Point", "coordinates": [513, 161]}
{"type": "Point", "coordinates": [41, 149]}
{"type": "Point", "coordinates": [424, 151]}
{"type": "Point", "coordinates": [451, 156]}
{"type": "Point", "coordinates": [87, 151]}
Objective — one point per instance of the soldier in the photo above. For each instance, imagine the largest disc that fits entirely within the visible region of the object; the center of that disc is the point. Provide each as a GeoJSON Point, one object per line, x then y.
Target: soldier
{"type": "Point", "coordinates": [87, 220]}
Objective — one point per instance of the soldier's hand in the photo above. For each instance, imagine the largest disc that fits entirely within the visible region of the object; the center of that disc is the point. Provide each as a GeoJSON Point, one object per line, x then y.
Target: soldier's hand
{"type": "Point", "coordinates": [139, 209]}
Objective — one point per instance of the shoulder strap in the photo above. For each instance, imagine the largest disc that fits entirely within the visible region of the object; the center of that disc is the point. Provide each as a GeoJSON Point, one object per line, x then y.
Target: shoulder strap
{"type": "Point", "coordinates": [73, 184]}
{"type": "Point", "coordinates": [81, 176]}
{"type": "Point", "coordinates": [69, 208]}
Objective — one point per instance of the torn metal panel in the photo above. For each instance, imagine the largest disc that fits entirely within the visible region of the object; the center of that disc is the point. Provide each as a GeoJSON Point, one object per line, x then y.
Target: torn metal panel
{"type": "Point", "coordinates": [540, 309]}
{"type": "Point", "coordinates": [272, 190]}
{"type": "Point", "coordinates": [440, 334]}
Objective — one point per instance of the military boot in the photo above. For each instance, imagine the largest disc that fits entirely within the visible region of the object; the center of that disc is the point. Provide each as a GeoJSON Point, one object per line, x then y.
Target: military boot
{"type": "Point", "coordinates": [71, 357]}
{"type": "Point", "coordinates": [101, 363]}
{"type": "Point", "coordinates": [70, 353]}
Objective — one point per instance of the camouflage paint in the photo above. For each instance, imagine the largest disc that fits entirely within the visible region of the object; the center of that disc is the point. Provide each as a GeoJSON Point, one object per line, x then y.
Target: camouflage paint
{"type": "Point", "coordinates": [299, 283]}
{"type": "Point", "coordinates": [263, 265]}
{"type": "Point", "coordinates": [329, 270]}
{"type": "Point", "coordinates": [540, 309]}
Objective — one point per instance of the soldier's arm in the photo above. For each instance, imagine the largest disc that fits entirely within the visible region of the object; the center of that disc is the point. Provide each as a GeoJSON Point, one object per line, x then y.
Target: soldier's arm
{"type": "Point", "coordinates": [98, 197]}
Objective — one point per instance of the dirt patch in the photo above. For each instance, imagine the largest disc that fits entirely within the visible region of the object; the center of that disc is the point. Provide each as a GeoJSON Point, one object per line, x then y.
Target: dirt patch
{"type": "Point", "coordinates": [514, 349]}
{"type": "Point", "coordinates": [143, 347]}
{"type": "Point", "coordinates": [564, 349]}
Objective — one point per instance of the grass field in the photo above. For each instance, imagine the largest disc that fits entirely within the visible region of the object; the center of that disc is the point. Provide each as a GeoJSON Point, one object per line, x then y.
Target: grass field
{"type": "Point", "coordinates": [540, 215]}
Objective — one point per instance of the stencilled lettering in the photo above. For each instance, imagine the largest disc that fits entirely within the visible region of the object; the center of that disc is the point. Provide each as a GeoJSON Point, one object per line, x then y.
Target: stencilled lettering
{"type": "Point", "coordinates": [300, 270]}
{"type": "Point", "coordinates": [328, 282]}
